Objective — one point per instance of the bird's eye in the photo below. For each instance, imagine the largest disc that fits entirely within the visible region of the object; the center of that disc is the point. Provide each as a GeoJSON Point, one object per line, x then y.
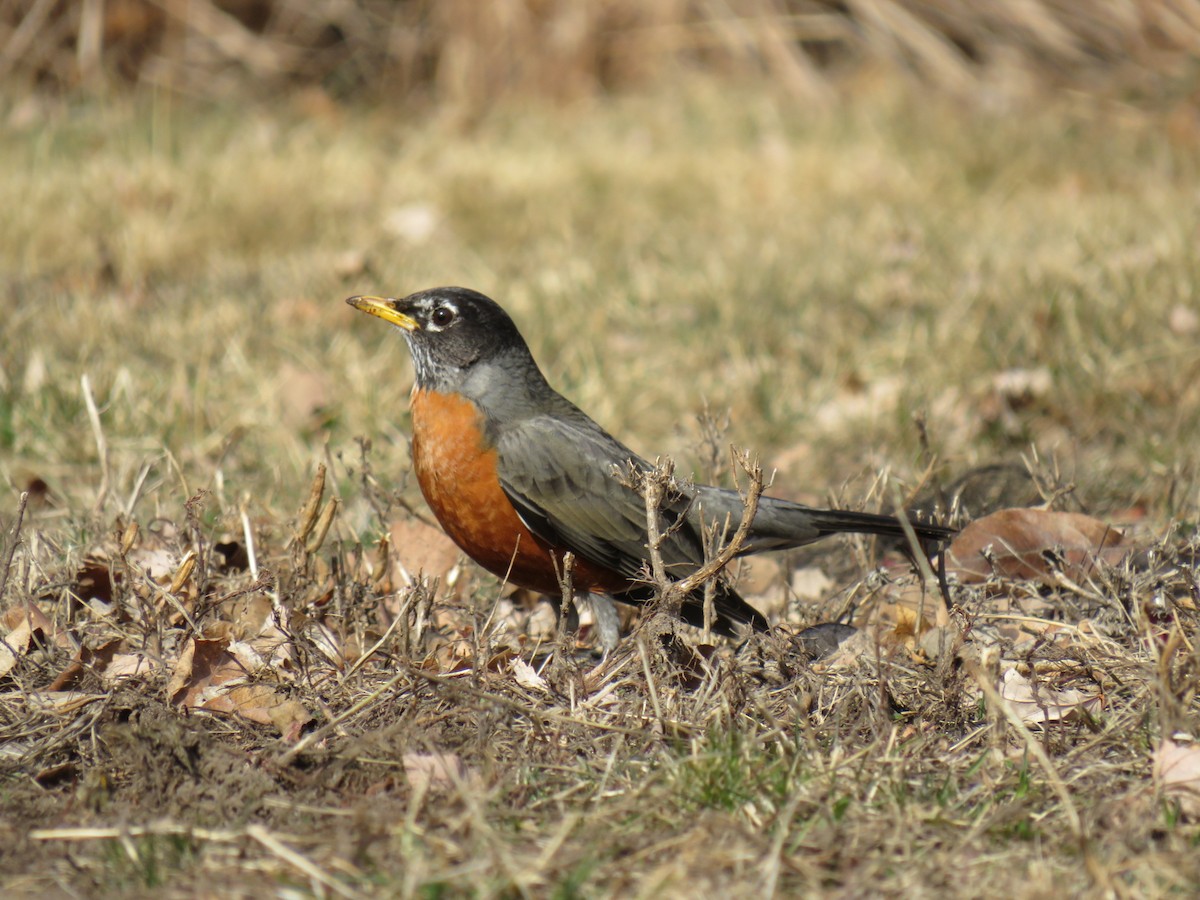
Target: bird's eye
{"type": "Point", "coordinates": [442, 316]}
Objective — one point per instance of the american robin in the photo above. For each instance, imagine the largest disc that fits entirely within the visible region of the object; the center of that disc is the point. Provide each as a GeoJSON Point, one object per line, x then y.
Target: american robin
{"type": "Point", "coordinates": [518, 475]}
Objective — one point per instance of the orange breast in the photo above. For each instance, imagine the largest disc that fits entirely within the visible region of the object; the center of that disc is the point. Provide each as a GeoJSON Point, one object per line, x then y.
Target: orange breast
{"type": "Point", "coordinates": [456, 469]}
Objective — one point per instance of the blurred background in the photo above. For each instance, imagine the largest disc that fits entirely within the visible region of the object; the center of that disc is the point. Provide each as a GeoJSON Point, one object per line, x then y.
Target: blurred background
{"type": "Point", "coordinates": [893, 248]}
{"type": "Point", "coordinates": [861, 238]}
{"type": "Point", "coordinates": [471, 54]}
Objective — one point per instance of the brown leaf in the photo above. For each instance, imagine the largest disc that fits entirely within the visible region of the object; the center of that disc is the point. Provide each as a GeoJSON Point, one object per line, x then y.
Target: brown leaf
{"type": "Point", "coordinates": [94, 580]}
{"type": "Point", "coordinates": [1044, 704]}
{"type": "Point", "coordinates": [421, 549]}
{"type": "Point", "coordinates": [1033, 544]}
{"type": "Point", "coordinates": [203, 665]}
{"type": "Point", "coordinates": [159, 563]}
{"type": "Point", "coordinates": [14, 646]}
{"type": "Point", "coordinates": [1177, 771]}
{"type": "Point", "coordinates": [29, 615]}
{"type": "Point", "coordinates": [436, 770]}
{"type": "Point", "coordinates": [210, 676]}
{"type": "Point", "coordinates": [27, 626]}
{"type": "Point", "coordinates": [527, 676]}
{"type": "Point", "coordinates": [99, 659]}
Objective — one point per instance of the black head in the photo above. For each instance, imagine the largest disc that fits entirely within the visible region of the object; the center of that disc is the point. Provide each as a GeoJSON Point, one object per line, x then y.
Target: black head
{"type": "Point", "coordinates": [452, 332]}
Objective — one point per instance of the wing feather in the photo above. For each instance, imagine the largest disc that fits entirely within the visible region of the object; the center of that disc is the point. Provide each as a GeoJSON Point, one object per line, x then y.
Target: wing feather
{"type": "Point", "coordinates": [562, 476]}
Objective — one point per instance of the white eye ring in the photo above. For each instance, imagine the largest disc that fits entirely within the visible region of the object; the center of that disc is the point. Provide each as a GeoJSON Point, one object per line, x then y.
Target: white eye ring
{"type": "Point", "coordinates": [441, 317]}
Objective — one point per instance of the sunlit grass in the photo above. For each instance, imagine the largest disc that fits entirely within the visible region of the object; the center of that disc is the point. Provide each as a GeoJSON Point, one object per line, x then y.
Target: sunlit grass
{"type": "Point", "coordinates": [833, 280]}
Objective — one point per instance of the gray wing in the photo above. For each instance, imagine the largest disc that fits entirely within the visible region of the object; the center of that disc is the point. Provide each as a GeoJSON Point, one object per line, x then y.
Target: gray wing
{"type": "Point", "coordinates": [561, 476]}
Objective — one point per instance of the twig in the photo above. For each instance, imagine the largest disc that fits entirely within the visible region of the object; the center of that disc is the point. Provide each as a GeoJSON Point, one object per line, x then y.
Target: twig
{"type": "Point", "coordinates": [101, 443]}
{"type": "Point", "coordinates": [717, 564]}
{"type": "Point", "coordinates": [157, 829]}
{"type": "Point", "coordinates": [566, 584]}
{"type": "Point", "coordinates": [16, 539]}
{"type": "Point", "coordinates": [1035, 749]}
{"type": "Point", "coordinates": [22, 37]}
{"type": "Point", "coordinates": [248, 534]}
{"type": "Point", "coordinates": [317, 734]}
{"type": "Point", "coordinates": [653, 486]}
{"type": "Point", "coordinates": [294, 859]}
{"type": "Point", "coordinates": [921, 561]}
{"type": "Point", "coordinates": [650, 686]}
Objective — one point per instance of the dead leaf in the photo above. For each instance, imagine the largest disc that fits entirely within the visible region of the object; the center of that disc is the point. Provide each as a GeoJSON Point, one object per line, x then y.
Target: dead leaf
{"type": "Point", "coordinates": [27, 625]}
{"type": "Point", "coordinates": [14, 646]}
{"type": "Point", "coordinates": [1177, 772]}
{"type": "Point", "coordinates": [436, 770]}
{"type": "Point", "coordinates": [1033, 544]}
{"type": "Point", "coordinates": [527, 676]}
{"type": "Point", "coordinates": [421, 549]}
{"type": "Point", "coordinates": [159, 563]}
{"type": "Point", "coordinates": [820, 640]}
{"type": "Point", "coordinates": [106, 660]}
{"type": "Point", "coordinates": [95, 581]}
{"type": "Point", "coordinates": [1045, 704]}
{"type": "Point", "coordinates": [210, 675]}
{"type": "Point", "coordinates": [249, 615]}
{"type": "Point", "coordinates": [127, 665]}
{"type": "Point", "coordinates": [234, 557]}
{"type": "Point", "coordinates": [811, 583]}
{"type": "Point", "coordinates": [541, 624]}
{"type": "Point", "coordinates": [861, 648]}
{"type": "Point", "coordinates": [760, 583]}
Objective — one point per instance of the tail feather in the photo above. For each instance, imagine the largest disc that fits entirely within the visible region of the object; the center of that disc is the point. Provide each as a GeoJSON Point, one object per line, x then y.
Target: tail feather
{"type": "Point", "coordinates": [783, 525]}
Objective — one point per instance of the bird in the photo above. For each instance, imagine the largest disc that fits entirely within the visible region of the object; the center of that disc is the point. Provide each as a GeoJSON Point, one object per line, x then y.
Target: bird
{"type": "Point", "coordinates": [518, 475]}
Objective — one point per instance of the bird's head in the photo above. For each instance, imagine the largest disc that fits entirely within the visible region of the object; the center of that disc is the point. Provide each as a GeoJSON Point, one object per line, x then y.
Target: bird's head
{"type": "Point", "coordinates": [461, 341]}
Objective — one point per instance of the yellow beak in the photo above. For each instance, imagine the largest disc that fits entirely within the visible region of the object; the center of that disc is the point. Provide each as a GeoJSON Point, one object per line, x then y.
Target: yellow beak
{"type": "Point", "coordinates": [384, 309]}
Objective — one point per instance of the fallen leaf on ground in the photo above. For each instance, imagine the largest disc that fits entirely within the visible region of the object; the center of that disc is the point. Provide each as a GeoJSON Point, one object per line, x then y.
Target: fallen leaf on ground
{"type": "Point", "coordinates": [95, 581]}
{"type": "Point", "coordinates": [209, 675]}
{"type": "Point", "coordinates": [1177, 771]}
{"type": "Point", "coordinates": [1044, 704]}
{"type": "Point", "coordinates": [107, 661]}
{"type": "Point", "coordinates": [159, 563]}
{"type": "Point", "coordinates": [421, 549]}
{"type": "Point", "coordinates": [542, 622]}
{"type": "Point", "coordinates": [435, 770]}
{"type": "Point", "coordinates": [26, 625]}
{"type": "Point", "coordinates": [1033, 544]}
{"type": "Point", "coordinates": [527, 677]}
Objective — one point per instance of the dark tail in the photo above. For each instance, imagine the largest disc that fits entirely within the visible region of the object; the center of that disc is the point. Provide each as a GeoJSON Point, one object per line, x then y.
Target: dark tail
{"type": "Point", "coordinates": [783, 525]}
{"type": "Point", "coordinates": [845, 521]}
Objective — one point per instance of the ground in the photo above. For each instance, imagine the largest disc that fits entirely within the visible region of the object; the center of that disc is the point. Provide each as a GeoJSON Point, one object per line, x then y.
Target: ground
{"type": "Point", "coordinates": [222, 678]}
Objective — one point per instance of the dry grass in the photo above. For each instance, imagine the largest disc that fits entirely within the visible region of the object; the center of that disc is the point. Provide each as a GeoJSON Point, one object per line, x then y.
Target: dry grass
{"type": "Point", "coordinates": [466, 55]}
{"type": "Point", "coordinates": [820, 275]}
